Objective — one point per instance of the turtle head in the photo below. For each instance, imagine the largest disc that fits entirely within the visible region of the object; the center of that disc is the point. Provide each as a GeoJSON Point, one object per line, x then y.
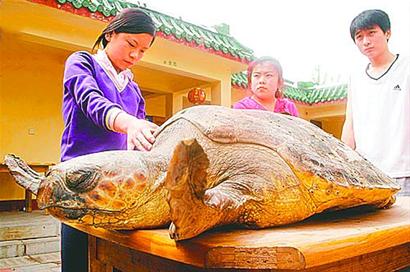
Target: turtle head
{"type": "Point", "coordinates": [94, 188]}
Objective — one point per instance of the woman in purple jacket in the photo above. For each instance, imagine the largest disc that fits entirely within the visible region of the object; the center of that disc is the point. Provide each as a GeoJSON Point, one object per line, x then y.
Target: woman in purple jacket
{"type": "Point", "coordinates": [265, 80]}
{"type": "Point", "coordinates": [103, 108]}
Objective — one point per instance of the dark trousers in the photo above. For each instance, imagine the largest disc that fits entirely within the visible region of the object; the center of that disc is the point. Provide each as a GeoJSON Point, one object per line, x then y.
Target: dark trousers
{"type": "Point", "coordinates": [74, 250]}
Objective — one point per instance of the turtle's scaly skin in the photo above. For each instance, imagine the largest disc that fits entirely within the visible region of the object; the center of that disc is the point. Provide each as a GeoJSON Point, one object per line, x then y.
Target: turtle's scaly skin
{"type": "Point", "coordinates": [113, 189]}
{"type": "Point", "coordinates": [211, 166]}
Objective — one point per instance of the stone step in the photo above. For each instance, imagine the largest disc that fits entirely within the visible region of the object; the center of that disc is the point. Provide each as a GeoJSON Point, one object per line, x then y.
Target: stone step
{"type": "Point", "coordinates": [42, 245]}
{"type": "Point", "coordinates": [21, 225]}
{"type": "Point", "coordinates": [10, 249]}
{"type": "Point", "coordinates": [29, 242]}
{"type": "Point", "coordinates": [36, 262]}
{"type": "Point", "coordinates": [17, 248]}
{"type": "Point", "coordinates": [37, 268]}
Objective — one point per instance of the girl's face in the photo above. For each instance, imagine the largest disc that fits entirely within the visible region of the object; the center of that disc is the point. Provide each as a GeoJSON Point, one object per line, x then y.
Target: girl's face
{"type": "Point", "coordinates": [126, 49]}
{"type": "Point", "coordinates": [265, 81]}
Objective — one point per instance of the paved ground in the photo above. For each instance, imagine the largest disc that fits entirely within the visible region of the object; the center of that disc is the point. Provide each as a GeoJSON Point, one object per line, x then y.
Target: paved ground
{"type": "Point", "coordinates": [29, 242]}
{"type": "Point", "coordinates": [35, 263]}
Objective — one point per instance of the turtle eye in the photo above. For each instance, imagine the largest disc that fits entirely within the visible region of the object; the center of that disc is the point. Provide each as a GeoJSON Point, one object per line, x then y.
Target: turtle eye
{"type": "Point", "coordinates": [81, 180]}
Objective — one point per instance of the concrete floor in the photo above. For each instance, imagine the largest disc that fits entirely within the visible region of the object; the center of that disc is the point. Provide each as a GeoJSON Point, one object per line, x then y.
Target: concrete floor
{"type": "Point", "coordinates": [29, 242]}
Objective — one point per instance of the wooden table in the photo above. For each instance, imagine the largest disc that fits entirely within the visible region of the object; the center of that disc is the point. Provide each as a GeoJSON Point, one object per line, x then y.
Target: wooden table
{"type": "Point", "coordinates": [38, 167]}
{"type": "Point", "coordinates": [360, 239]}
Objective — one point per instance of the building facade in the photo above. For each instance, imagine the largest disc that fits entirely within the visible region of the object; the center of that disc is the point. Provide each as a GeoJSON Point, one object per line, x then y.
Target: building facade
{"type": "Point", "coordinates": [38, 35]}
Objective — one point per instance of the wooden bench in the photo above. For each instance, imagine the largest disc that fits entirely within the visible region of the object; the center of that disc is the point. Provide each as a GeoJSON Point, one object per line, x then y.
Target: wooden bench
{"type": "Point", "coordinates": [38, 167]}
{"type": "Point", "coordinates": [359, 239]}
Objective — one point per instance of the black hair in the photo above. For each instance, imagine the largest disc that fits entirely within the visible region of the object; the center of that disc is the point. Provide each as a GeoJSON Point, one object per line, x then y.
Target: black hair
{"type": "Point", "coordinates": [369, 18]}
{"type": "Point", "coordinates": [130, 20]}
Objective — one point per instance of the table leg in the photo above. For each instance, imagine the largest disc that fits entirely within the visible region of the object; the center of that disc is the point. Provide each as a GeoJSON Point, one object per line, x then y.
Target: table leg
{"type": "Point", "coordinates": [28, 201]}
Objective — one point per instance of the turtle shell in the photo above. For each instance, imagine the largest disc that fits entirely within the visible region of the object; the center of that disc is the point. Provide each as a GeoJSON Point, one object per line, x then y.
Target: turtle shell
{"type": "Point", "coordinates": [309, 151]}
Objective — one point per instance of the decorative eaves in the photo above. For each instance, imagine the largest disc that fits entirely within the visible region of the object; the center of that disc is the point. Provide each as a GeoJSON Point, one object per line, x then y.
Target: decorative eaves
{"type": "Point", "coordinates": [168, 27]}
{"type": "Point", "coordinates": [308, 96]}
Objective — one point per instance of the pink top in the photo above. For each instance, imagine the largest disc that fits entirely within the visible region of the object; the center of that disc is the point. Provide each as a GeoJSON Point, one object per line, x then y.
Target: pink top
{"type": "Point", "coordinates": [281, 106]}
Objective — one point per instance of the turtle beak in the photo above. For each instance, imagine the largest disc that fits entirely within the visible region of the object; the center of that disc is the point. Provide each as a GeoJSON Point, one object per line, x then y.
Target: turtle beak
{"type": "Point", "coordinates": [65, 213]}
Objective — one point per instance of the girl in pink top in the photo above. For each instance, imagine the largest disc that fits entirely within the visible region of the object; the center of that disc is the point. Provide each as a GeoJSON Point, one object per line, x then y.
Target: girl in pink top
{"type": "Point", "coordinates": [265, 80]}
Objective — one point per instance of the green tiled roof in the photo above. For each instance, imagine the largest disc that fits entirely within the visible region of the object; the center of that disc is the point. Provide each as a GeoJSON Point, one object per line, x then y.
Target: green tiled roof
{"type": "Point", "coordinates": [240, 80]}
{"type": "Point", "coordinates": [173, 28]}
{"type": "Point", "coordinates": [327, 94]}
{"type": "Point", "coordinates": [309, 96]}
{"type": "Point", "coordinates": [297, 94]}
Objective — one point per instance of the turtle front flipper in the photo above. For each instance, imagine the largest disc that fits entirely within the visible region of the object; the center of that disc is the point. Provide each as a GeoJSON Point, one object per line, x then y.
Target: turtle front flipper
{"type": "Point", "coordinates": [24, 175]}
{"type": "Point", "coordinates": [193, 208]}
{"type": "Point", "coordinates": [185, 184]}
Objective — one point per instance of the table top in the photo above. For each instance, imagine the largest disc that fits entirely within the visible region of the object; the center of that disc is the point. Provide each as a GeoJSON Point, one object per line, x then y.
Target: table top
{"type": "Point", "coordinates": [35, 166]}
{"type": "Point", "coordinates": [320, 240]}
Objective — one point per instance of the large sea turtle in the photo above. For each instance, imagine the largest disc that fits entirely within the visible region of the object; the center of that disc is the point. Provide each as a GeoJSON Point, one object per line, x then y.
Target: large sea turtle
{"type": "Point", "coordinates": [210, 166]}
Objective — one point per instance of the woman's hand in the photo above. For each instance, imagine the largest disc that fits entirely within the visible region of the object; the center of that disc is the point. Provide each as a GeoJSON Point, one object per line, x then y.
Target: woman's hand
{"type": "Point", "coordinates": [140, 135]}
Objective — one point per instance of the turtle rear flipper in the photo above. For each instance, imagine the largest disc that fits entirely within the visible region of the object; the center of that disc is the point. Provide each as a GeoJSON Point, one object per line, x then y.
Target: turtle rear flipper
{"type": "Point", "coordinates": [24, 175]}
{"type": "Point", "coordinates": [387, 203]}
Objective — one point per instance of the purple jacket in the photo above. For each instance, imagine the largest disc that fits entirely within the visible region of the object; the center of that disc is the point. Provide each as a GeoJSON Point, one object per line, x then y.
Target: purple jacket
{"type": "Point", "coordinates": [281, 106]}
{"type": "Point", "coordinates": [88, 95]}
